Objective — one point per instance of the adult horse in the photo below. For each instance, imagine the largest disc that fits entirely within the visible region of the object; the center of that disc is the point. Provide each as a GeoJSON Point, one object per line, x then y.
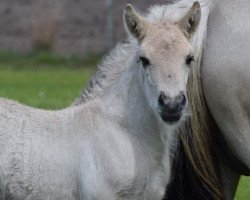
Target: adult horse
{"type": "Point", "coordinates": [207, 156]}
{"type": "Point", "coordinates": [116, 146]}
{"type": "Point", "coordinates": [226, 85]}
{"type": "Point", "coordinates": [225, 80]}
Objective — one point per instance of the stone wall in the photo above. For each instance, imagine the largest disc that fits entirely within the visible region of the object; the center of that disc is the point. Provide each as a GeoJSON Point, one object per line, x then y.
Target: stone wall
{"type": "Point", "coordinates": [64, 26]}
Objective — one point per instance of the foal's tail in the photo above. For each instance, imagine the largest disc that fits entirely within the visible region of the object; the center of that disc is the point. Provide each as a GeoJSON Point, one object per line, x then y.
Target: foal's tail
{"type": "Point", "coordinates": [195, 165]}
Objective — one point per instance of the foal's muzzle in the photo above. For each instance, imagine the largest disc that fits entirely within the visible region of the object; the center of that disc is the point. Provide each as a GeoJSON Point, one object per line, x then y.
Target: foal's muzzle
{"type": "Point", "coordinates": [170, 109]}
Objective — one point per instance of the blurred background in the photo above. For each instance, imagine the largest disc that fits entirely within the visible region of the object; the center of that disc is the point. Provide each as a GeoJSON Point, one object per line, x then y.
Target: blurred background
{"type": "Point", "coordinates": [50, 48]}
{"type": "Point", "coordinates": [65, 27]}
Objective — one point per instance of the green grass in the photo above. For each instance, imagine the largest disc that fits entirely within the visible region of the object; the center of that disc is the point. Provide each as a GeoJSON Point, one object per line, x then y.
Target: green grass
{"type": "Point", "coordinates": [42, 79]}
{"type": "Point", "coordinates": [48, 89]}
{"type": "Point", "coordinates": [43, 59]}
{"type": "Point", "coordinates": [47, 81]}
{"type": "Point", "coordinates": [243, 192]}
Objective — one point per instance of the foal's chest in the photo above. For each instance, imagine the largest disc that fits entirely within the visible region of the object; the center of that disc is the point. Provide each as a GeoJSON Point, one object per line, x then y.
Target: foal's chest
{"type": "Point", "coordinates": [144, 188]}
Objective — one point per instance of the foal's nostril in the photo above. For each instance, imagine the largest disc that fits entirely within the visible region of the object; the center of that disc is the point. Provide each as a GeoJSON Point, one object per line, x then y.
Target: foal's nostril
{"type": "Point", "coordinates": [162, 99]}
{"type": "Point", "coordinates": [183, 100]}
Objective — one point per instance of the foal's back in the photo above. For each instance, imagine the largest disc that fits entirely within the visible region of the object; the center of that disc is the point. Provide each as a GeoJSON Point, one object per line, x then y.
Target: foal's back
{"type": "Point", "coordinates": [75, 153]}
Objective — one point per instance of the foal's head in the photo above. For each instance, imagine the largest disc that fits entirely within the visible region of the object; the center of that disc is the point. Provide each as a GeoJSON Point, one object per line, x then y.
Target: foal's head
{"type": "Point", "coordinates": [164, 58]}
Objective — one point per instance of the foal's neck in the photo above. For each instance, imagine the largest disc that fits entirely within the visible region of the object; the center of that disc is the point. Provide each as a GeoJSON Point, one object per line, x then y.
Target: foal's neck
{"type": "Point", "coordinates": [127, 106]}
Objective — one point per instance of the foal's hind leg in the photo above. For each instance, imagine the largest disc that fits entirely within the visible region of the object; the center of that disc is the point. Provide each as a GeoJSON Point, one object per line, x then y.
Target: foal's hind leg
{"type": "Point", "coordinates": [3, 192]}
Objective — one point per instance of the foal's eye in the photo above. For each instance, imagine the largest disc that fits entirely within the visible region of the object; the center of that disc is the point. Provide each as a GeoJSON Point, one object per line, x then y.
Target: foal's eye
{"type": "Point", "coordinates": [145, 62]}
{"type": "Point", "coordinates": [189, 60]}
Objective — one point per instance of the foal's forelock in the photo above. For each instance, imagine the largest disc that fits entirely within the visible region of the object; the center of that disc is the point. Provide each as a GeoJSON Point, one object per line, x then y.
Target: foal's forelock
{"type": "Point", "coordinates": [166, 48]}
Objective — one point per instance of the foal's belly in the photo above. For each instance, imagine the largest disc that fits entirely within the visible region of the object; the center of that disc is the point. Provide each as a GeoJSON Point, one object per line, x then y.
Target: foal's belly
{"type": "Point", "coordinates": [226, 74]}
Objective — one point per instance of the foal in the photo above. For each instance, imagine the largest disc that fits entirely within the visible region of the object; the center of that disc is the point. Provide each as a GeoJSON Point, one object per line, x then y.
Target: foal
{"type": "Point", "coordinates": [114, 147]}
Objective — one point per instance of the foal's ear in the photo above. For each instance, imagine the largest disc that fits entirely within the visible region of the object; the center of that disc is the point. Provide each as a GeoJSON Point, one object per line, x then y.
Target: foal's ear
{"type": "Point", "coordinates": [135, 24]}
{"type": "Point", "coordinates": [191, 20]}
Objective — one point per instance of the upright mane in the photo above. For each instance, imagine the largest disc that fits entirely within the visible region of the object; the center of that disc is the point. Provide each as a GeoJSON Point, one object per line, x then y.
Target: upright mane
{"type": "Point", "coordinates": [195, 165]}
{"type": "Point", "coordinates": [111, 68]}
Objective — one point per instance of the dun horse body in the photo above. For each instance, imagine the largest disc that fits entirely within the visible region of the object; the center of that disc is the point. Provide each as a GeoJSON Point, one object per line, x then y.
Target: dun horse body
{"type": "Point", "coordinates": [116, 146]}
{"type": "Point", "coordinates": [204, 162]}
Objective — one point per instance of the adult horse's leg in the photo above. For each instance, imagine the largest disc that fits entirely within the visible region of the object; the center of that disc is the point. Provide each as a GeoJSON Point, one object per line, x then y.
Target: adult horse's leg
{"type": "Point", "coordinates": [230, 181]}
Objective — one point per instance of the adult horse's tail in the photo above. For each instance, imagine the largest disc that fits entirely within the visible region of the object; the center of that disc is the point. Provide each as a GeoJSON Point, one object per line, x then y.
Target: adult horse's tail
{"type": "Point", "coordinates": [195, 166]}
